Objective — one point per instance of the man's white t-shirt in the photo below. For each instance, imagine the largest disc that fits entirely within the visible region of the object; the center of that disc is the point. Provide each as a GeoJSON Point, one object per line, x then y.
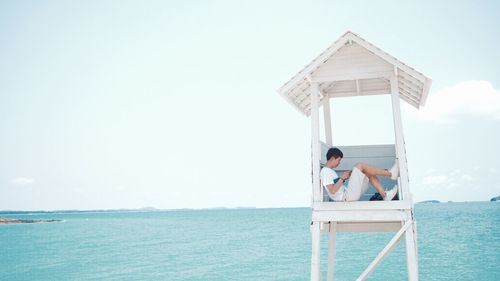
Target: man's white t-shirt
{"type": "Point", "coordinates": [328, 176]}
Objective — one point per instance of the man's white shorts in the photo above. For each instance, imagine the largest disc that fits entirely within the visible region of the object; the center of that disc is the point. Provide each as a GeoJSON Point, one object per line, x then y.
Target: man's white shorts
{"type": "Point", "coordinates": [358, 185]}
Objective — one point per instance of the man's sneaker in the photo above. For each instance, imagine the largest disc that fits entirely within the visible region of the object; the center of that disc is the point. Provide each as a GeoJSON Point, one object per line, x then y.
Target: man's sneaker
{"type": "Point", "coordinates": [391, 193]}
{"type": "Point", "coordinates": [394, 171]}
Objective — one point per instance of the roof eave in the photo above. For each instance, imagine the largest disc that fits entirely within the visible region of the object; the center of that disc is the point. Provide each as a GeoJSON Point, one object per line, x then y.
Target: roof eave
{"type": "Point", "coordinates": [309, 68]}
{"type": "Point", "coordinates": [425, 92]}
{"type": "Point", "coordinates": [294, 105]}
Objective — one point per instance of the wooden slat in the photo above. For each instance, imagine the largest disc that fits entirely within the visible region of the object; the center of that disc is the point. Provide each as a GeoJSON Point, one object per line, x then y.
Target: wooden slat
{"type": "Point", "coordinates": [350, 94]}
{"type": "Point", "coordinates": [353, 55]}
{"type": "Point", "coordinates": [332, 77]}
{"type": "Point", "coordinates": [341, 86]}
{"type": "Point", "coordinates": [386, 56]}
{"type": "Point", "coordinates": [377, 155]}
{"type": "Point", "coordinates": [402, 75]}
{"type": "Point", "coordinates": [362, 205]}
{"type": "Point", "coordinates": [375, 84]}
{"type": "Point", "coordinates": [359, 216]}
{"type": "Point", "coordinates": [364, 227]}
{"type": "Point", "coordinates": [368, 151]}
{"type": "Point", "coordinates": [410, 101]}
{"type": "Point", "coordinates": [324, 87]}
{"type": "Point", "coordinates": [410, 84]}
{"type": "Point", "coordinates": [410, 93]}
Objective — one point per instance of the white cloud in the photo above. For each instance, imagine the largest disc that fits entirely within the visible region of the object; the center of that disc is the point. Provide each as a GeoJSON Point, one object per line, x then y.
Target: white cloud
{"type": "Point", "coordinates": [477, 98]}
{"type": "Point", "coordinates": [22, 181]}
{"type": "Point", "coordinates": [119, 188]}
{"type": "Point", "coordinates": [466, 177]}
{"type": "Point", "coordinates": [450, 179]}
{"type": "Point", "coordinates": [434, 180]}
{"type": "Point", "coordinates": [431, 171]}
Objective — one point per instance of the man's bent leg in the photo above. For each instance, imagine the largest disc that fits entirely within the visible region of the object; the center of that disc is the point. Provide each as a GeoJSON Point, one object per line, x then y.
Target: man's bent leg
{"type": "Point", "coordinates": [358, 185]}
{"type": "Point", "coordinates": [378, 186]}
{"type": "Point", "coordinates": [370, 171]}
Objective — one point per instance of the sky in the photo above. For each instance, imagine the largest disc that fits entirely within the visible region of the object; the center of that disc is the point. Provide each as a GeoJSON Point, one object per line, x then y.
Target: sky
{"type": "Point", "coordinates": [173, 104]}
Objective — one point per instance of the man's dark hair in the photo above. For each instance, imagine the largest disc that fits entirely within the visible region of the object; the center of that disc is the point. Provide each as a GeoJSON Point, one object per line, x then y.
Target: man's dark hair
{"type": "Point", "coordinates": [335, 153]}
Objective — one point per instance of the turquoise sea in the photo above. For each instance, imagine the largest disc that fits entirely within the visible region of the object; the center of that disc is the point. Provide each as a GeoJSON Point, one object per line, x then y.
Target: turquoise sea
{"type": "Point", "coordinates": [457, 241]}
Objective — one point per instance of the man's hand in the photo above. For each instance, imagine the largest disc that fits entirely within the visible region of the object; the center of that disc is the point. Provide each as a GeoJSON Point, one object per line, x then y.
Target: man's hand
{"type": "Point", "coordinates": [346, 175]}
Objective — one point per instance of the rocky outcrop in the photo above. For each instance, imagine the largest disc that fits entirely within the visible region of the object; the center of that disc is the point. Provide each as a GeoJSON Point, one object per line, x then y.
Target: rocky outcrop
{"type": "Point", "coordinates": [10, 221]}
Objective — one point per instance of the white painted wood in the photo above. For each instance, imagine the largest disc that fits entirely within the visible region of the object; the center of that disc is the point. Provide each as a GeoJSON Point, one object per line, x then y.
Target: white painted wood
{"type": "Point", "coordinates": [327, 121]}
{"type": "Point", "coordinates": [360, 60]}
{"type": "Point", "coordinates": [415, 239]}
{"type": "Point", "coordinates": [316, 150]}
{"type": "Point", "coordinates": [425, 93]}
{"type": "Point", "coordinates": [408, 96]}
{"type": "Point", "coordinates": [411, 254]}
{"type": "Point", "coordinates": [313, 65]}
{"type": "Point", "coordinates": [409, 101]}
{"type": "Point", "coordinates": [400, 148]}
{"type": "Point", "coordinates": [349, 94]}
{"type": "Point", "coordinates": [332, 77]}
{"type": "Point", "coordinates": [414, 88]}
{"type": "Point", "coordinates": [359, 151]}
{"type": "Point", "coordinates": [387, 249]}
{"type": "Point", "coordinates": [340, 87]}
{"type": "Point", "coordinates": [400, 191]}
{"type": "Point", "coordinates": [414, 82]}
{"type": "Point", "coordinates": [316, 255]}
{"type": "Point", "coordinates": [331, 251]}
{"type": "Point", "coordinates": [306, 102]}
{"type": "Point", "coordinates": [366, 87]}
{"type": "Point", "coordinates": [368, 227]}
{"type": "Point", "coordinates": [359, 216]}
{"type": "Point", "coordinates": [386, 56]}
{"type": "Point", "coordinates": [363, 205]}
{"type": "Point", "coordinates": [375, 84]}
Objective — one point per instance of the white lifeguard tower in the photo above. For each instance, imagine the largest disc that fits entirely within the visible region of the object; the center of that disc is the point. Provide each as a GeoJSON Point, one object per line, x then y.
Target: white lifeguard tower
{"type": "Point", "coordinates": [351, 66]}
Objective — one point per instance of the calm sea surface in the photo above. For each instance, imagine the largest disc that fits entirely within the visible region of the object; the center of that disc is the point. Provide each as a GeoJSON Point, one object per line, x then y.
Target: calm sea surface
{"type": "Point", "coordinates": [457, 241]}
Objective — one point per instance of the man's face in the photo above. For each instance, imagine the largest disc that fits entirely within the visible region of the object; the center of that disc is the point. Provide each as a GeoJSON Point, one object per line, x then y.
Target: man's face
{"type": "Point", "coordinates": [336, 162]}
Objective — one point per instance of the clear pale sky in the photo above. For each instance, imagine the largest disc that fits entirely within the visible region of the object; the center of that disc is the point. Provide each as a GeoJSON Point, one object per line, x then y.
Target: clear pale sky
{"type": "Point", "coordinates": [173, 104]}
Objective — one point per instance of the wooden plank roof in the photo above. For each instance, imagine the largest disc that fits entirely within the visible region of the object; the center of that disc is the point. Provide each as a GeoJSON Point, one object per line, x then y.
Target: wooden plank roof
{"type": "Point", "coordinates": [352, 66]}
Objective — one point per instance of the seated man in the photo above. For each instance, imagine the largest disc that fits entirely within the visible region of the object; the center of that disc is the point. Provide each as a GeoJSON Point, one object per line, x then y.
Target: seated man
{"type": "Point", "coordinates": [360, 175]}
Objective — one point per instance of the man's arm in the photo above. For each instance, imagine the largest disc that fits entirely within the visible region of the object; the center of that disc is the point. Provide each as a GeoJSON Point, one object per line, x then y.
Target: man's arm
{"type": "Point", "coordinates": [334, 187]}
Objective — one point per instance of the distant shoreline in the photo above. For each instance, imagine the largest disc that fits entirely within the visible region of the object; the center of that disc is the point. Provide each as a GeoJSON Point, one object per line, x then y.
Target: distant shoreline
{"type": "Point", "coordinates": [149, 209]}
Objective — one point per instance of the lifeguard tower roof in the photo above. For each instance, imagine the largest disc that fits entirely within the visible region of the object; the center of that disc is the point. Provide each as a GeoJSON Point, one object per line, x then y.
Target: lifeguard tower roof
{"type": "Point", "coordinates": [337, 72]}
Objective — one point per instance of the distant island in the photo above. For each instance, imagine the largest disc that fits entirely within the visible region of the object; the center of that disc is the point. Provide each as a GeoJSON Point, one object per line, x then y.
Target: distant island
{"type": "Point", "coordinates": [430, 201]}
{"type": "Point", "coordinates": [11, 221]}
{"type": "Point", "coordinates": [495, 199]}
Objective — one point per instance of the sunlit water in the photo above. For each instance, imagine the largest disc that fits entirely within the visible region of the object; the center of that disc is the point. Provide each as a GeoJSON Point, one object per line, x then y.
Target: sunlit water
{"type": "Point", "coordinates": [457, 241]}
